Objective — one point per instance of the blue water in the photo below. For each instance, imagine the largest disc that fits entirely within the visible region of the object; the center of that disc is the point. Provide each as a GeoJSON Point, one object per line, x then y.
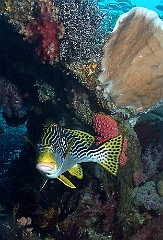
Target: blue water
{"type": "Point", "coordinates": [150, 4]}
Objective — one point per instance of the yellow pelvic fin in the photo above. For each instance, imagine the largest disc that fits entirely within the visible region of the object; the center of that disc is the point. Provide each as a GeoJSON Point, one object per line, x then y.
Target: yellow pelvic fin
{"type": "Point", "coordinates": [76, 171]}
{"type": "Point", "coordinates": [65, 180]}
{"type": "Point", "coordinates": [87, 138]}
{"type": "Point", "coordinates": [114, 149]}
{"type": "Point", "coordinates": [69, 147]}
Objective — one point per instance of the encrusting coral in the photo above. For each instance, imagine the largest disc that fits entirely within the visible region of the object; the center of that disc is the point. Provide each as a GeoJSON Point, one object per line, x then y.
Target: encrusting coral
{"type": "Point", "coordinates": [132, 64]}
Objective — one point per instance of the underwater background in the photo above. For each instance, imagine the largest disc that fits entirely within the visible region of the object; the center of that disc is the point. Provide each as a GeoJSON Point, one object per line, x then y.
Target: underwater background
{"type": "Point", "coordinates": [95, 68]}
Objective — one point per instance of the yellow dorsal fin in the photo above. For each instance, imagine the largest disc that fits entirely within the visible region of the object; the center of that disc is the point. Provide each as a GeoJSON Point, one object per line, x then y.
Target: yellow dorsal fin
{"type": "Point", "coordinates": [114, 149]}
{"type": "Point", "coordinates": [87, 138]}
{"type": "Point", "coordinates": [69, 147]}
{"type": "Point", "coordinates": [76, 171]}
{"type": "Point", "coordinates": [65, 180]}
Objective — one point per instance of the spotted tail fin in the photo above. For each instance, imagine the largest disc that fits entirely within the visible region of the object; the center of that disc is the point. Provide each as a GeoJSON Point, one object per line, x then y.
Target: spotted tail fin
{"type": "Point", "coordinates": [109, 153]}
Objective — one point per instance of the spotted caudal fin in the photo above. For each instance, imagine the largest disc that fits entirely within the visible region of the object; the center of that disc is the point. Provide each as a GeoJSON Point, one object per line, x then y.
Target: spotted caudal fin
{"type": "Point", "coordinates": [109, 154]}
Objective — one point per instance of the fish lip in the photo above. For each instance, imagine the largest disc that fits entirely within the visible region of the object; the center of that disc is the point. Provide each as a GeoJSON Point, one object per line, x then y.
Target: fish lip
{"type": "Point", "coordinates": [44, 168]}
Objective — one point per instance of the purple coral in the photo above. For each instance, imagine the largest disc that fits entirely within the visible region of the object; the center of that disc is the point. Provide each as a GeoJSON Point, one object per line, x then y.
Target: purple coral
{"type": "Point", "coordinates": [10, 99]}
{"type": "Point", "coordinates": [147, 196]}
{"type": "Point", "coordinates": [151, 159]}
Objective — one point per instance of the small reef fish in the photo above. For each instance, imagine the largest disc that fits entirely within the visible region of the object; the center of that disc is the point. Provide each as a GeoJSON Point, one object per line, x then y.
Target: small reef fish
{"type": "Point", "coordinates": [62, 150]}
{"type": "Point", "coordinates": [159, 7]}
{"type": "Point", "coordinates": [113, 6]}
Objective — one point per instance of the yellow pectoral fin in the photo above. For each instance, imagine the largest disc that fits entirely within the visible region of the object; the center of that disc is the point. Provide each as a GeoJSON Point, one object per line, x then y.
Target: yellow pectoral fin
{"type": "Point", "coordinates": [76, 171]}
{"type": "Point", "coordinates": [65, 180]}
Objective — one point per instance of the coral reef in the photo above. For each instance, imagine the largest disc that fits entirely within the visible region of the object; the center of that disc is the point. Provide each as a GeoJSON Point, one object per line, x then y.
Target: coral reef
{"type": "Point", "coordinates": [90, 211]}
{"type": "Point", "coordinates": [147, 196]}
{"type": "Point", "coordinates": [45, 30]}
{"type": "Point", "coordinates": [83, 35]}
{"type": "Point", "coordinates": [153, 229]}
{"type": "Point", "coordinates": [128, 76]}
{"type": "Point", "coordinates": [87, 72]}
{"type": "Point", "coordinates": [106, 128]}
{"type": "Point", "coordinates": [151, 160]}
{"type": "Point", "coordinates": [149, 131]}
{"type": "Point", "coordinates": [102, 206]}
{"type": "Point", "coordinates": [79, 100]}
{"type": "Point", "coordinates": [10, 99]}
{"type": "Point", "coordinates": [45, 92]}
{"type": "Point", "coordinates": [139, 177]}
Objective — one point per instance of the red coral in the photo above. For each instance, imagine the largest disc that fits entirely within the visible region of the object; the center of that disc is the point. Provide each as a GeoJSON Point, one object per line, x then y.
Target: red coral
{"type": "Point", "coordinates": [46, 30]}
{"type": "Point", "coordinates": [123, 157]}
{"type": "Point", "coordinates": [106, 128]}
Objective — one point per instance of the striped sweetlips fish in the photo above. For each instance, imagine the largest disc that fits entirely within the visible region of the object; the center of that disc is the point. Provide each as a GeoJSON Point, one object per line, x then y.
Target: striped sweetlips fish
{"type": "Point", "coordinates": [62, 150]}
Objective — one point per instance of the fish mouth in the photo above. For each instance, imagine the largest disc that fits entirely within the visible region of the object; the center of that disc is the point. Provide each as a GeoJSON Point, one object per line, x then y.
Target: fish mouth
{"type": "Point", "coordinates": [45, 168]}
